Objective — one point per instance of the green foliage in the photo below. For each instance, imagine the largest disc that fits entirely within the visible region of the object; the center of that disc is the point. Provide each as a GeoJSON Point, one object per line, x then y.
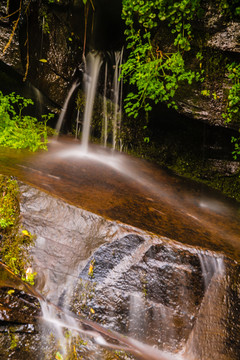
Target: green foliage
{"type": "Point", "coordinates": [46, 19]}
{"type": "Point", "coordinates": [155, 75]}
{"type": "Point", "coordinates": [232, 113]}
{"type": "Point", "coordinates": [14, 241]}
{"type": "Point", "coordinates": [14, 340]}
{"type": "Point", "coordinates": [18, 130]}
{"type": "Point", "coordinates": [229, 8]}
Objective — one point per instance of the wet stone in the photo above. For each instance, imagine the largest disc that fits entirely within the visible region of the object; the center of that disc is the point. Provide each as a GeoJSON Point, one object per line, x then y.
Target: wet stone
{"type": "Point", "coordinates": [140, 289]}
{"type": "Point", "coordinates": [17, 306]}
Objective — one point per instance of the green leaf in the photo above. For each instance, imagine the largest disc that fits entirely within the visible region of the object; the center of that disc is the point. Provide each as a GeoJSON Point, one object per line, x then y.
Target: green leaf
{"type": "Point", "coordinates": [58, 356]}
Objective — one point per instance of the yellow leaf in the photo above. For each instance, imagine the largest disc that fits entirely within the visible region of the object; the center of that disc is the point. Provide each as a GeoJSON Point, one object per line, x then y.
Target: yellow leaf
{"type": "Point", "coordinates": [74, 350]}
{"type": "Point", "coordinates": [58, 356]}
{"type": "Point", "coordinates": [11, 291]}
{"type": "Point", "coordinates": [90, 270]}
{"type": "Point", "coordinates": [43, 60]}
{"type": "Point", "coordinates": [25, 232]}
{"type": "Point", "coordinates": [92, 311]}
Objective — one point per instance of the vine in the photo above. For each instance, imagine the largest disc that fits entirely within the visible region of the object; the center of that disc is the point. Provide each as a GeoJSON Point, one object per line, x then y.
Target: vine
{"type": "Point", "coordinates": [155, 74]}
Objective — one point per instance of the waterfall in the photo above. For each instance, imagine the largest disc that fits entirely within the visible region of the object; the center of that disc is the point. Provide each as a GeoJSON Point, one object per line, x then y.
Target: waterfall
{"type": "Point", "coordinates": [39, 100]}
{"type": "Point", "coordinates": [60, 320]}
{"type": "Point", "coordinates": [116, 95]}
{"type": "Point", "coordinates": [62, 115]}
{"type": "Point", "coordinates": [90, 80]}
{"type": "Point", "coordinates": [210, 266]}
{"type": "Point", "coordinates": [105, 114]}
{"type": "Point", "coordinates": [94, 63]}
{"type": "Point", "coordinates": [77, 124]}
{"type": "Point", "coordinates": [209, 330]}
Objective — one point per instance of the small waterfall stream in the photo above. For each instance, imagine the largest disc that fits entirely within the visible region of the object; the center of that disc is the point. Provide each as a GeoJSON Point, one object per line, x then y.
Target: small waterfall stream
{"type": "Point", "coordinates": [93, 66]}
{"type": "Point", "coordinates": [94, 63]}
{"type": "Point", "coordinates": [62, 116]}
{"type": "Point", "coordinates": [211, 266]}
{"type": "Point", "coordinates": [117, 86]}
{"type": "Point", "coordinates": [105, 111]}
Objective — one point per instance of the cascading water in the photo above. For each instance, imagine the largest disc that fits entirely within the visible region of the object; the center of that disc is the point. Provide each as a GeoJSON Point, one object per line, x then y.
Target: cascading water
{"type": "Point", "coordinates": [63, 113]}
{"type": "Point", "coordinates": [94, 63]}
{"type": "Point", "coordinates": [92, 69]}
{"type": "Point", "coordinates": [59, 321]}
{"type": "Point", "coordinates": [117, 96]}
{"type": "Point", "coordinates": [39, 100]}
{"type": "Point", "coordinates": [210, 326]}
{"type": "Point", "coordinates": [211, 266]}
{"type": "Point", "coordinates": [105, 112]}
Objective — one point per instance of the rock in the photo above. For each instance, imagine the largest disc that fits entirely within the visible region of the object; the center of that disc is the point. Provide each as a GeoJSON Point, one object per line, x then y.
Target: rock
{"type": "Point", "coordinates": [224, 167]}
{"type": "Point", "coordinates": [12, 55]}
{"type": "Point", "coordinates": [144, 288]}
{"type": "Point", "coordinates": [159, 291]}
{"type": "Point", "coordinates": [163, 295]}
{"type": "Point", "coordinates": [226, 39]}
{"type": "Point", "coordinates": [19, 313]}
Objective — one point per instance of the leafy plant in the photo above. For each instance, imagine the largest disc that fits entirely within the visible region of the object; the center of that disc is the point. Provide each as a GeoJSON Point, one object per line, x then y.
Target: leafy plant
{"type": "Point", "coordinates": [18, 130]}
{"type": "Point", "coordinates": [153, 73]}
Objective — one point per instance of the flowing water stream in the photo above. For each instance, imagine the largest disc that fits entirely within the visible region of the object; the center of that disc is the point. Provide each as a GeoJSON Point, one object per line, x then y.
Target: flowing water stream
{"type": "Point", "coordinates": [94, 63]}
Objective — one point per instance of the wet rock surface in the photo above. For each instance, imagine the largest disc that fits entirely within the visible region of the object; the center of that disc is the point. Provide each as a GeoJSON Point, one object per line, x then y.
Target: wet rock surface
{"type": "Point", "coordinates": [11, 55]}
{"type": "Point", "coordinates": [151, 292]}
{"type": "Point", "coordinates": [164, 295]}
{"type": "Point", "coordinates": [215, 334]}
{"type": "Point", "coordinates": [19, 314]}
{"type": "Point", "coordinates": [161, 292]}
{"type": "Point", "coordinates": [18, 307]}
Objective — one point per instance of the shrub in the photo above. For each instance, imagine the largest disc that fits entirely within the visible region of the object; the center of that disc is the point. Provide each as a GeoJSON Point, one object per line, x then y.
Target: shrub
{"type": "Point", "coordinates": [18, 130]}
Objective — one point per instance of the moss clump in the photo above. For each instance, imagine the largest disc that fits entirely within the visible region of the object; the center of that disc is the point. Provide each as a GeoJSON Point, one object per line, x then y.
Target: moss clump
{"type": "Point", "coordinates": [14, 241]}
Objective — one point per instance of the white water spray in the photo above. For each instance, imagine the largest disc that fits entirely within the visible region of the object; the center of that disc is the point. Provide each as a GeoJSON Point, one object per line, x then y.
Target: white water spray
{"type": "Point", "coordinates": [94, 63]}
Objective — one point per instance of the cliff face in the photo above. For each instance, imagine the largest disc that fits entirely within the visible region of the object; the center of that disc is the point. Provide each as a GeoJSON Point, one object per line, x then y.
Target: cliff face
{"type": "Point", "coordinates": [51, 40]}
{"type": "Point", "coordinates": [219, 40]}
{"type": "Point", "coordinates": [44, 45]}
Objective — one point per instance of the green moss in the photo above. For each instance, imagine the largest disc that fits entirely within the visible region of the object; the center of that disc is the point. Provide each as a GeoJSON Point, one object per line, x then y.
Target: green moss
{"type": "Point", "coordinates": [9, 205]}
{"type": "Point", "coordinates": [14, 240]}
{"type": "Point", "coordinates": [14, 340]}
